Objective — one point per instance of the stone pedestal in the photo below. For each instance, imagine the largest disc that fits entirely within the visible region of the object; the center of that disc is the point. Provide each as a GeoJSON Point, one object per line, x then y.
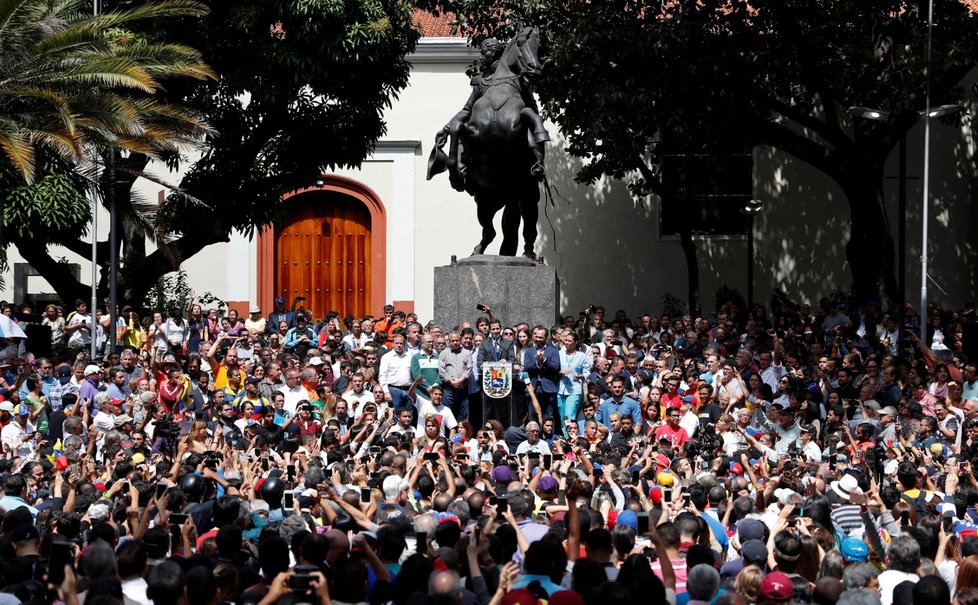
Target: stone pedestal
{"type": "Point", "coordinates": [515, 288]}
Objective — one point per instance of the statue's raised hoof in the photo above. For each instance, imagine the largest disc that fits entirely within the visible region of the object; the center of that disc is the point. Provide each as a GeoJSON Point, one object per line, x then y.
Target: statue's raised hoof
{"type": "Point", "coordinates": [478, 250]}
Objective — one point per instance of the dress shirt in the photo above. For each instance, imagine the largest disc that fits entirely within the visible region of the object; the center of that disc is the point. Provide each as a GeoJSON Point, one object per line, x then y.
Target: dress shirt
{"type": "Point", "coordinates": [454, 364]}
{"type": "Point", "coordinates": [395, 370]}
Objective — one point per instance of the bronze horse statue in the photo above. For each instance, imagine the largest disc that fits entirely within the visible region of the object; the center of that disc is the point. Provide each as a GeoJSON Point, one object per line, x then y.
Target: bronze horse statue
{"type": "Point", "coordinates": [496, 143]}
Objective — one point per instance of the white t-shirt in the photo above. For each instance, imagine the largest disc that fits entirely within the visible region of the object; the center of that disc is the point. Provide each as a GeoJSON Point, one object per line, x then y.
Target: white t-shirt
{"type": "Point", "coordinates": [83, 336]}
{"type": "Point", "coordinates": [425, 407]}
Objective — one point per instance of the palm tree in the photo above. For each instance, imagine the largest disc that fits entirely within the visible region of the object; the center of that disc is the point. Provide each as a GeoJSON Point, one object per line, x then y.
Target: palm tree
{"type": "Point", "coordinates": [71, 81]}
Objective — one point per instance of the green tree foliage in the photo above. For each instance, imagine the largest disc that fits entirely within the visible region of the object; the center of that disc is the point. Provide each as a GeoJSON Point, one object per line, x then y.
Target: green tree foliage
{"type": "Point", "coordinates": [301, 88]}
{"type": "Point", "coordinates": [628, 80]}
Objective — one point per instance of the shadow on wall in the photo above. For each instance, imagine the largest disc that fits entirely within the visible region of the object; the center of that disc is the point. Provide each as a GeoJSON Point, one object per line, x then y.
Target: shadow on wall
{"type": "Point", "coordinates": [609, 250]}
{"type": "Point", "coordinates": [802, 231]}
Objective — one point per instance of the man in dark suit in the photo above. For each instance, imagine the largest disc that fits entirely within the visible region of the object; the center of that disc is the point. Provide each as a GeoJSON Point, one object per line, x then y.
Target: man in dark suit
{"type": "Point", "coordinates": [541, 362]}
{"type": "Point", "coordinates": [496, 348]}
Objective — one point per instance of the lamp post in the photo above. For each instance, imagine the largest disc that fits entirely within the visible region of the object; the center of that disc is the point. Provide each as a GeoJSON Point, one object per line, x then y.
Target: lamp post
{"type": "Point", "coordinates": [752, 209]}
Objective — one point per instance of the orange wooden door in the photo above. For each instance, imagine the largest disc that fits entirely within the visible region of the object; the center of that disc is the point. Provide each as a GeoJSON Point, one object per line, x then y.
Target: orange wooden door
{"type": "Point", "coordinates": [322, 253]}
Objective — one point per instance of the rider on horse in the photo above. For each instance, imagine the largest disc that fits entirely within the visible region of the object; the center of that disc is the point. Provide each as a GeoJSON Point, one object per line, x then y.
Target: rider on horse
{"type": "Point", "coordinates": [491, 50]}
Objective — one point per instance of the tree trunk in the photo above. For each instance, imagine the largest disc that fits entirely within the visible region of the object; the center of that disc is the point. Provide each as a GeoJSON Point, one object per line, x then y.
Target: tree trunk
{"type": "Point", "coordinates": [870, 250]}
{"type": "Point", "coordinates": [692, 269]}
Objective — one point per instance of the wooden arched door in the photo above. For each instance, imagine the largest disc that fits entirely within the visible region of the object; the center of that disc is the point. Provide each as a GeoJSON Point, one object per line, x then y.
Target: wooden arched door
{"type": "Point", "coordinates": [322, 253]}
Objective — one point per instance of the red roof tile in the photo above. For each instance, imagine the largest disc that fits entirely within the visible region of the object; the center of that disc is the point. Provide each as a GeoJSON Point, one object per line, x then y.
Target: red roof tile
{"type": "Point", "coordinates": [440, 26]}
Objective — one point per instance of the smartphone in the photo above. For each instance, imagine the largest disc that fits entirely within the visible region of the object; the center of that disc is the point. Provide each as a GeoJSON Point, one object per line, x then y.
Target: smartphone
{"type": "Point", "coordinates": [364, 496]}
{"type": "Point", "coordinates": [598, 472]}
{"type": "Point", "coordinates": [493, 500]}
{"type": "Point", "coordinates": [635, 476]}
{"type": "Point", "coordinates": [548, 460]}
{"type": "Point", "coordinates": [685, 499]}
{"type": "Point", "coordinates": [643, 523]}
{"type": "Point", "coordinates": [432, 456]}
{"type": "Point", "coordinates": [288, 500]}
{"type": "Point", "coordinates": [300, 581]}
{"type": "Point", "coordinates": [421, 540]}
{"type": "Point", "coordinates": [290, 471]}
{"type": "Point", "coordinates": [560, 457]}
{"type": "Point", "coordinates": [502, 504]}
{"type": "Point", "coordinates": [905, 518]}
{"type": "Point", "coordinates": [948, 523]}
{"type": "Point", "coordinates": [667, 495]}
{"type": "Point", "coordinates": [480, 307]}
{"type": "Point", "coordinates": [264, 464]}
{"type": "Point", "coordinates": [178, 518]}
{"type": "Point", "coordinates": [60, 556]}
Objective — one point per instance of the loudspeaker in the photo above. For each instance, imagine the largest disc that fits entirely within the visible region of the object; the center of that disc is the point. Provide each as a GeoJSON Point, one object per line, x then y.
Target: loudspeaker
{"type": "Point", "coordinates": [38, 339]}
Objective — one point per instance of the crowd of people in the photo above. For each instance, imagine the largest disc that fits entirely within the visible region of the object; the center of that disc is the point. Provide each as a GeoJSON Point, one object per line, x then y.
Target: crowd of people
{"type": "Point", "coordinates": [779, 454]}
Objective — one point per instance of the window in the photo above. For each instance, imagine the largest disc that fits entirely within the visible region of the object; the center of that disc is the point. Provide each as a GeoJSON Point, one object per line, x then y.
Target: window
{"type": "Point", "coordinates": [714, 190]}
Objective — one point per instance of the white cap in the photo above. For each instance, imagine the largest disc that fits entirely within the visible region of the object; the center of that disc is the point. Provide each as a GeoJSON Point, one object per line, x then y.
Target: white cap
{"type": "Point", "coordinates": [92, 369]}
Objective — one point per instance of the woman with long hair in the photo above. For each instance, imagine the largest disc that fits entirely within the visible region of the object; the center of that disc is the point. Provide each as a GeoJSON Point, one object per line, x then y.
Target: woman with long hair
{"type": "Point", "coordinates": [574, 369]}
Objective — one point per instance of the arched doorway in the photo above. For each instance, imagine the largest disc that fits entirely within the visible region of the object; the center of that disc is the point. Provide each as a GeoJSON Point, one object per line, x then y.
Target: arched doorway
{"type": "Point", "coordinates": [322, 254]}
{"type": "Point", "coordinates": [330, 250]}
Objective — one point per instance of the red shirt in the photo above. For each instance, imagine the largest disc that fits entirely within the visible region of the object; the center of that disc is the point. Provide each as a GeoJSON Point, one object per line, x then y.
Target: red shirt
{"type": "Point", "coordinates": [677, 437]}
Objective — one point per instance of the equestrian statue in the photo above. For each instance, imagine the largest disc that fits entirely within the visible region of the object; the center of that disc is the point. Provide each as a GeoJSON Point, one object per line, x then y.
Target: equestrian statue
{"type": "Point", "coordinates": [496, 142]}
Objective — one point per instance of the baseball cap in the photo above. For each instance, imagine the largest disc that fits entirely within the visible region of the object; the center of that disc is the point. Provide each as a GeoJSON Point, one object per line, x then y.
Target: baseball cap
{"type": "Point", "coordinates": [6, 406]}
{"type": "Point", "coordinates": [23, 410]}
{"type": "Point", "coordinates": [855, 550]}
{"type": "Point", "coordinates": [753, 551]}
{"type": "Point", "coordinates": [665, 478]}
{"type": "Point", "coordinates": [502, 474]}
{"type": "Point", "coordinates": [629, 518]}
{"type": "Point", "coordinates": [888, 411]}
{"type": "Point", "coordinates": [64, 374]}
{"type": "Point", "coordinates": [25, 532]}
{"type": "Point", "coordinates": [92, 369]}
{"type": "Point", "coordinates": [777, 587]}
{"type": "Point", "coordinates": [750, 529]}
{"type": "Point", "coordinates": [316, 361]}
{"type": "Point", "coordinates": [122, 419]}
{"type": "Point", "coordinates": [253, 380]}
{"type": "Point", "coordinates": [254, 310]}
{"type": "Point", "coordinates": [547, 484]}
{"type": "Point", "coordinates": [655, 495]}
{"type": "Point", "coordinates": [280, 300]}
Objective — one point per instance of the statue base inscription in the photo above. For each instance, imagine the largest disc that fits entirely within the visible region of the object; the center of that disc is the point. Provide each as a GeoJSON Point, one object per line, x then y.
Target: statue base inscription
{"type": "Point", "coordinates": [515, 288]}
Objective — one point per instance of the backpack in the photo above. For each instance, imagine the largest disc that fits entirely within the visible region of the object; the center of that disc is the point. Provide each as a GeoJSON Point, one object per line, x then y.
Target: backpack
{"type": "Point", "coordinates": [919, 503]}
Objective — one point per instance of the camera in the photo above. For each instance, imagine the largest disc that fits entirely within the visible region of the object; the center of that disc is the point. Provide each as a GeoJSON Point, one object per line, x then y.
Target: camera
{"type": "Point", "coordinates": [590, 310]}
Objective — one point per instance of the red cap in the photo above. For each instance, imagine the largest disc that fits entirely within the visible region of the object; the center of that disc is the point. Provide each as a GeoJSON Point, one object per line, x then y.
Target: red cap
{"type": "Point", "coordinates": [655, 495]}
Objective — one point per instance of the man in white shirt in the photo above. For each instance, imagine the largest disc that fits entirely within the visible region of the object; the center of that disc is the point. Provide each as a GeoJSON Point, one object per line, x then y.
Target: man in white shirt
{"type": "Point", "coordinates": [19, 437]}
{"type": "Point", "coordinates": [358, 396]}
{"type": "Point", "coordinates": [771, 368]}
{"type": "Point", "coordinates": [902, 562]}
{"type": "Point", "coordinates": [434, 407]}
{"type": "Point", "coordinates": [533, 442]}
{"type": "Point", "coordinates": [293, 390]}
{"type": "Point", "coordinates": [395, 374]}
{"type": "Point", "coordinates": [79, 327]}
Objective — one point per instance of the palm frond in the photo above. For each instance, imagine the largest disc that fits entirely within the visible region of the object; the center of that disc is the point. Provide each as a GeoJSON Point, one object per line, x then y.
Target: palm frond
{"type": "Point", "coordinates": [156, 10]}
{"type": "Point", "coordinates": [17, 148]}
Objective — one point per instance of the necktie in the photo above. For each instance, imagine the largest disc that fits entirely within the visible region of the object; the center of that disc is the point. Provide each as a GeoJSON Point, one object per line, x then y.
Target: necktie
{"type": "Point", "coordinates": [496, 350]}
